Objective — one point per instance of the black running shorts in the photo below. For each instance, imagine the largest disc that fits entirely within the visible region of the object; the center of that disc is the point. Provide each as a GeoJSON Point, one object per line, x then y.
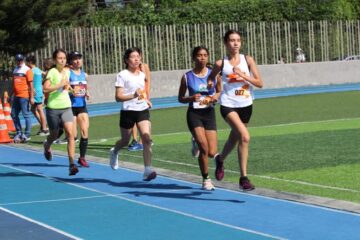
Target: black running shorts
{"type": "Point", "coordinates": [77, 110]}
{"type": "Point", "coordinates": [129, 118]}
{"type": "Point", "coordinates": [201, 118]}
{"type": "Point", "coordinates": [244, 113]}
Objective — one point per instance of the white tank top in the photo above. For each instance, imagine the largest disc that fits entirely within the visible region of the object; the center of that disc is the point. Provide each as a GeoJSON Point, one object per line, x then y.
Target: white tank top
{"type": "Point", "coordinates": [236, 94]}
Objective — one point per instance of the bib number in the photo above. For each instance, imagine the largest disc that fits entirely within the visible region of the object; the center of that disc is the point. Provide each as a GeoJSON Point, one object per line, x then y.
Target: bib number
{"type": "Point", "coordinates": [205, 102]}
{"type": "Point", "coordinates": [242, 92]}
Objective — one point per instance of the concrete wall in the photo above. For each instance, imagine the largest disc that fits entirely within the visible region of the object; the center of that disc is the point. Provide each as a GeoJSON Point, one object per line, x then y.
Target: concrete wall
{"type": "Point", "coordinates": [166, 83]}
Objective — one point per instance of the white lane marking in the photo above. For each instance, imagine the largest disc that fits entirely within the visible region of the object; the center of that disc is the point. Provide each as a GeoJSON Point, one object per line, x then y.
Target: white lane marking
{"type": "Point", "coordinates": [40, 224]}
{"type": "Point", "coordinates": [195, 184]}
{"type": "Point", "coordinates": [231, 171]}
{"type": "Point", "coordinates": [151, 205]}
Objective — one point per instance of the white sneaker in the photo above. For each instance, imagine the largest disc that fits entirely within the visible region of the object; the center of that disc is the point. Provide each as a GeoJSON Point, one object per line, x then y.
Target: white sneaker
{"type": "Point", "coordinates": [207, 185]}
{"type": "Point", "coordinates": [148, 176]}
{"type": "Point", "coordinates": [194, 148]}
{"type": "Point", "coordinates": [114, 159]}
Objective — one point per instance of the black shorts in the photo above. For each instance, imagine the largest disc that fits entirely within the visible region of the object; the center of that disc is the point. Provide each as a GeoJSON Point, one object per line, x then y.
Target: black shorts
{"type": "Point", "coordinates": [129, 118]}
{"type": "Point", "coordinates": [77, 110]}
{"type": "Point", "coordinates": [201, 118]}
{"type": "Point", "coordinates": [244, 113]}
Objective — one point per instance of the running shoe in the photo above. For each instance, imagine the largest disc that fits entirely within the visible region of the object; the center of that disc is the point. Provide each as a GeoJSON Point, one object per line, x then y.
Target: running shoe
{"type": "Point", "coordinates": [17, 138]}
{"type": "Point", "coordinates": [43, 133]}
{"type": "Point", "coordinates": [82, 162]}
{"type": "Point", "coordinates": [65, 141]}
{"type": "Point", "coordinates": [149, 176]}
{"type": "Point", "coordinates": [207, 185]}
{"type": "Point", "coordinates": [195, 152]}
{"type": "Point", "coordinates": [219, 171]}
{"type": "Point", "coordinates": [136, 147]}
{"type": "Point", "coordinates": [47, 153]}
{"type": "Point", "coordinates": [114, 159]}
{"type": "Point", "coordinates": [25, 138]}
{"type": "Point", "coordinates": [245, 184]}
{"type": "Point", "coordinates": [73, 170]}
{"type": "Point", "coordinates": [133, 143]}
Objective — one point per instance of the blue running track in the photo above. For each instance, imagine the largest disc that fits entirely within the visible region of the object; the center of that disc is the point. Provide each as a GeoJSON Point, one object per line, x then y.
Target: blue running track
{"type": "Point", "coordinates": [38, 198]}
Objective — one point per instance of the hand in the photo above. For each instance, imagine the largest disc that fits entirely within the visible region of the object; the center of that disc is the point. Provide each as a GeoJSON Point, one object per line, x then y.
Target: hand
{"type": "Point", "coordinates": [214, 99]}
{"type": "Point", "coordinates": [196, 97]}
{"type": "Point", "coordinates": [148, 103]}
{"type": "Point", "coordinates": [210, 84]}
{"type": "Point", "coordinates": [87, 95]}
{"type": "Point", "coordinates": [241, 74]}
{"type": "Point", "coordinates": [140, 94]}
{"type": "Point", "coordinates": [32, 101]}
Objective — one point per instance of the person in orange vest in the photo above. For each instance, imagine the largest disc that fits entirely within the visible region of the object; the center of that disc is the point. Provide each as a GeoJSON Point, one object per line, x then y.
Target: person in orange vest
{"type": "Point", "coordinates": [23, 95]}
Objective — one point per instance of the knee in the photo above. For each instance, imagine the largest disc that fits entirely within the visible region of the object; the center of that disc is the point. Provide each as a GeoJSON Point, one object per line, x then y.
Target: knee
{"type": "Point", "coordinates": [146, 139]}
{"type": "Point", "coordinates": [245, 139]}
{"type": "Point", "coordinates": [212, 153]}
{"type": "Point", "coordinates": [204, 149]}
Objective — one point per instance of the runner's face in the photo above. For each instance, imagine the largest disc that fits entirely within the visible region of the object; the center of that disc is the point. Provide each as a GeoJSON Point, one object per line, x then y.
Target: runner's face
{"type": "Point", "coordinates": [60, 59]}
{"type": "Point", "coordinates": [77, 62]}
{"type": "Point", "coordinates": [201, 58]}
{"type": "Point", "coordinates": [134, 60]}
{"type": "Point", "coordinates": [233, 44]}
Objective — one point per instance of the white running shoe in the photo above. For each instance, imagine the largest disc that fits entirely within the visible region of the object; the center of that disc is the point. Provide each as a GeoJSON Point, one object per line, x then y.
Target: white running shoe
{"type": "Point", "coordinates": [207, 185]}
{"type": "Point", "coordinates": [114, 159]}
{"type": "Point", "coordinates": [194, 148]}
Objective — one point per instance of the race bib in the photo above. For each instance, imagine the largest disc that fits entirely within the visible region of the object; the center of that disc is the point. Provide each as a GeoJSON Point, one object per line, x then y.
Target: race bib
{"type": "Point", "coordinates": [79, 90]}
{"type": "Point", "coordinates": [205, 102]}
{"type": "Point", "coordinates": [242, 91]}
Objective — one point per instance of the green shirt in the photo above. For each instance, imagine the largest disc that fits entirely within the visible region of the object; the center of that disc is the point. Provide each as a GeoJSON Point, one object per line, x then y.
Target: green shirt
{"type": "Point", "coordinates": [58, 99]}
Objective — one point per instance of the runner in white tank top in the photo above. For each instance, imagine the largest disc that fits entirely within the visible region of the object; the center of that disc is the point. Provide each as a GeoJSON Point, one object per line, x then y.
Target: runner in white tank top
{"type": "Point", "coordinates": [236, 93]}
{"type": "Point", "coordinates": [239, 75]}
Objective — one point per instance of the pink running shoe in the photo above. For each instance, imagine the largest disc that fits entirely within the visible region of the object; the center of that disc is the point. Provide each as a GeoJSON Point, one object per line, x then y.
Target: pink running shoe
{"type": "Point", "coordinates": [82, 162]}
{"type": "Point", "coordinates": [245, 184]}
{"type": "Point", "coordinates": [219, 171]}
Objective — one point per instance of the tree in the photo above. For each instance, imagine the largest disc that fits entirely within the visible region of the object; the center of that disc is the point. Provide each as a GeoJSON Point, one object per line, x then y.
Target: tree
{"type": "Point", "coordinates": [23, 23]}
{"type": "Point", "coordinates": [163, 12]}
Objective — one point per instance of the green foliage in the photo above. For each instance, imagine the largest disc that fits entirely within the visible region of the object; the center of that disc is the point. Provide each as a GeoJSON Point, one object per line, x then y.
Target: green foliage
{"type": "Point", "coordinates": [23, 23]}
{"type": "Point", "coordinates": [209, 11]}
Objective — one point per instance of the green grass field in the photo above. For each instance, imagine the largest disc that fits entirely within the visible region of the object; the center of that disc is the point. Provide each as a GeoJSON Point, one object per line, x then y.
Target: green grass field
{"type": "Point", "coordinates": [305, 144]}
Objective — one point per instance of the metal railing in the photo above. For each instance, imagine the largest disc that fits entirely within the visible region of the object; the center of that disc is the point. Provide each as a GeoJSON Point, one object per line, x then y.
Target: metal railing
{"type": "Point", "coordinates": [169, 47]}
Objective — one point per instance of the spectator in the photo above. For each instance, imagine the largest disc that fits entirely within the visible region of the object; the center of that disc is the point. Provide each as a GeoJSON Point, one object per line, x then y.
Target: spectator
{"type": "Point", "coordinates": [37, 107]}
{"type": "Point", "coordinates": [300, 55]}
{"type": "Point", "coordinates": [23, 95]}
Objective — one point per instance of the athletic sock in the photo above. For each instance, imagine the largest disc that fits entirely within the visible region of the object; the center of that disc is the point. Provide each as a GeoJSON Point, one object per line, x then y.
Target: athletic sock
{"type": "Point", "coordinates": [205, 175]}
{"type": "Point", "coordinates": [83, 146]}
{"type": "Point", "coordinates": [148, 169]}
